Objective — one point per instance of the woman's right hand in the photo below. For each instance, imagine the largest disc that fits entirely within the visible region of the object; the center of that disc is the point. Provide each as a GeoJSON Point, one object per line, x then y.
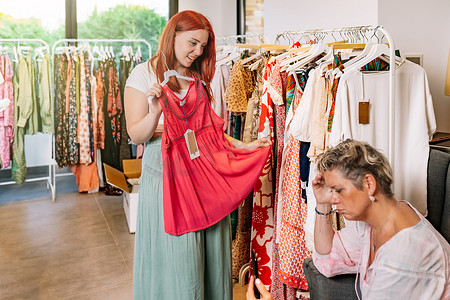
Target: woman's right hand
{"type": "Point", "coordinates": [321, 191]}
{"type": "Point", "coordinates": [155, 92]}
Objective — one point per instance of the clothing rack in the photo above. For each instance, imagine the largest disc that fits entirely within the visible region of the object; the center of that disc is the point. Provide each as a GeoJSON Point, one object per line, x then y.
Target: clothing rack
{"type": "Point", "coordinates": [104, 41]}
{"type": "Point", "coordinates": [256, 38]}
{"type": "Point", "coordinates": [359, 33]}
{"type": "Point", "coordinates": [50, 178]}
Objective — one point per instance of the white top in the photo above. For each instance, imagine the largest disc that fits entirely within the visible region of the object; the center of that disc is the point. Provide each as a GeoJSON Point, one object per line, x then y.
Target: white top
{"type": "Point", "coordinates": [142, 78]}
{"type": "Point", "coordinates": [413, 264]}
{"type": "Point", "coordinates": [414, 123]}
{"type": "Point", "coordinates": [301, 126]}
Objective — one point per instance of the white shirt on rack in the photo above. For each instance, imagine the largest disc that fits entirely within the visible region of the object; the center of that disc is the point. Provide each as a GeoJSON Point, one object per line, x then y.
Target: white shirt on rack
{"type": "Point", "coordinates": [414, 123]}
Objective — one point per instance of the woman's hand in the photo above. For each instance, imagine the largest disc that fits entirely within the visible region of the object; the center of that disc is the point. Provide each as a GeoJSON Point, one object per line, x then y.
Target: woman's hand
{"type": "Point", "coordinates": [264, 142]}
{"type": "Point", "coordinates": [265, 295]}
{"type": "Point", "coordinates": [155, 92]}
{"type": "Point", "coordinates": [321, 191]}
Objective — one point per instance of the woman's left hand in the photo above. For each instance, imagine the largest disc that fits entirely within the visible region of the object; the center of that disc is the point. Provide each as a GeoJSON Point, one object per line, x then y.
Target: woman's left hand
{"type": "Point", "coordinates": [264, 142]}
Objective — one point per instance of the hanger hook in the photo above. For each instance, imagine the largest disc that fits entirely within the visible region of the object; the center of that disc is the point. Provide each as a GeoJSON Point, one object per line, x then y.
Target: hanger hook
{"type": "Point", "coordinates": [165, 60]}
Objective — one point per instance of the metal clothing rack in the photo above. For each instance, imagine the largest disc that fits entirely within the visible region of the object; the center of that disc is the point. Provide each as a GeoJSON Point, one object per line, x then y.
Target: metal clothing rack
{"type": "Point", "coordinates": [50, 178]}
{"type": "Point", "coordinates": [256, 38]}
{"type": "Point", "coordinates": [358, 33]}
{"type": "Point", "coordinates": [105, 41]}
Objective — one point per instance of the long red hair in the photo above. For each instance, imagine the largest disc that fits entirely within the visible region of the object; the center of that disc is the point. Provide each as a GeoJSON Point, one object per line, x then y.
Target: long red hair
{"type": "Point", "coordinates": [203, 67]}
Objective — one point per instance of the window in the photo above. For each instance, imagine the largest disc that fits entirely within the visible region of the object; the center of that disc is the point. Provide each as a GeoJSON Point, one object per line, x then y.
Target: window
{"type": "Point", "coordinates": [123, 19]}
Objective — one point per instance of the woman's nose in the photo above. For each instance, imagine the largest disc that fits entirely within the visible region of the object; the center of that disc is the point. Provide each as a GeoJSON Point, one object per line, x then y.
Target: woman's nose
{"type": "Point", "coordinates": [334, 199]}
{"type": "Point", "coordinates": [198, 50]}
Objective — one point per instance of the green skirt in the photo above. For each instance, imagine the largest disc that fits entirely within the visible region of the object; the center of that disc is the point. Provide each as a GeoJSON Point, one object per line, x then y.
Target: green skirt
{"type": "Point", "coordinates": [192, 266]}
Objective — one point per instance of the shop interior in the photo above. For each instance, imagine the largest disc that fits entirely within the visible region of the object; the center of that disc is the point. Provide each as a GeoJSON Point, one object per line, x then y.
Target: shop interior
{"type": "Point", "coordinates": [67, 225]}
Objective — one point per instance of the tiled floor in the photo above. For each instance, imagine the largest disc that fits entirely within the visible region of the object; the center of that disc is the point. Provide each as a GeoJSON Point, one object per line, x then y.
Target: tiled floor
{"type": "Point", "coordinates": [77, 247]}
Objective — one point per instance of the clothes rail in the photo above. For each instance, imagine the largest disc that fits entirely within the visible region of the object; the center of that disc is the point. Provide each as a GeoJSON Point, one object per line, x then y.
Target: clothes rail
{"type": "Point", "coordinates": [256, 38]}
{"type": "Point", "coordinates": [122, 41]}
{"type": "Point", "coordinates": [50, 178]}
{"type": "Point", "coordinates": [359, 32]}
{"type": "Point", "coordinates": [60, 42]}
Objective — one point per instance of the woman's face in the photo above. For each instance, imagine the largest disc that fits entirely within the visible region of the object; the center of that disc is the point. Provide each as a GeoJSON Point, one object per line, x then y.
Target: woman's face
{"type": "Point", "coordinates": [350, 201]}
{"type": "Point", "coordinates": [189, 45]}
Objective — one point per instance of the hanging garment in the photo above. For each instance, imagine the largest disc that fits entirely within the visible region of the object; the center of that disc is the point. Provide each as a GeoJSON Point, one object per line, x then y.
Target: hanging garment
{"type": "Point", "coordinates": [99, 96]}
{"type": "Point", "coordinates": [112, 106]}
{"type": "Point", "coordinates": [414, 123]}
{"type": "Point", "coordinates": [83, 117]}
{"type": "Point", "coordinates": [319, 116]}
{"type": "Point", "coordinates": [281, 291]}
{"type": "Point", "coordinates": [219, 85]}
{"type": "Point", "coordinates": [262, 221]}
{"type": "Point", "coordinates": [241, 243]}
{"type": "Point", "coordinates": [62, 118]}
{"type": "Point", "coordinates": [23, 98]}
{"type": "Point", "coordinates": [71, 110]}
{"type": "Point", "coordinates": [253, 105]}
{"type": "Point", "coordinates": [7, 115]}
{"type": "Point", "coordinates": [33, 123]}
{"type": "Point", "coordinates": [239, 89]}
{"type": "Point", "coordinates": [125, 68]}
{"type": "Point", "coordinates": [44, 94]}
{"type": "Point", "coordinates": [200, 192]}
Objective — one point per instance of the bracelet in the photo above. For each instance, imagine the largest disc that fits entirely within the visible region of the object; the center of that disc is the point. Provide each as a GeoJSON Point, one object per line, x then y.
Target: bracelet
{"type": "Point", "coordinates": [322, 214]}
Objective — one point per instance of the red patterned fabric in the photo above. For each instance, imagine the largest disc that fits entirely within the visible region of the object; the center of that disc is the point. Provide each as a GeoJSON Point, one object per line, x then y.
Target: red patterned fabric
{"type": "Point", "coordinates": [262, 221]}
{"type": "Point", "coordinates": [292, 244]}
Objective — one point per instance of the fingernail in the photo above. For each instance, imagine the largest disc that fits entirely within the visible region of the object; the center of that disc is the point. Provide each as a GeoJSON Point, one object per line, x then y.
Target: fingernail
{"type": "Point", "coordinates": [257, 281]}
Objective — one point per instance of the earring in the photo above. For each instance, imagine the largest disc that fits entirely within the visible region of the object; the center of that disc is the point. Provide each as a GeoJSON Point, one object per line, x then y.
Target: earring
{"type": "Point", "coordinates": [372, 198]}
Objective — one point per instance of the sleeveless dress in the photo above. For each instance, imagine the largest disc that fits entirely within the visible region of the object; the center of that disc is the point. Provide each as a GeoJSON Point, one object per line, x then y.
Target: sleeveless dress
{"type": "Point", "coordinates": [198, 193]}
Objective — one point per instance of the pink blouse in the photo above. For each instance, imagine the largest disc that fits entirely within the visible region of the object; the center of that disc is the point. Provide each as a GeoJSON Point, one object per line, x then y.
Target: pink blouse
{"type": "Point", "coordinates": [413, 264]}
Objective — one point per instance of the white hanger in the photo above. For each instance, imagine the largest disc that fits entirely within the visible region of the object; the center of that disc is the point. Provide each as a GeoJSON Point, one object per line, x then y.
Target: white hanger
{"type": "Point", "coordinates": [300, 53]}
{"type": "Point", "coordinates": [338, 73]}
{"type": "Point", "coordinates": [233, 55]}
{"type": "Point", "coordinates": [376, 51]}
{"type": "Point", "coordinates": [316, 50]}
{"type": "Point", "coordinates": [111, 52]}
{"type": "Point", "coordinates": [225, 51]}
{"type": "Point", "coordinates": [169, 73]}
{"type": "Point", "coordinates": [252, 57]}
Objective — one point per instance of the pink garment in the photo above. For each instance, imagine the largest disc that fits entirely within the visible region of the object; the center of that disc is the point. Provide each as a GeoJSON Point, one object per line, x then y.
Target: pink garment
{"type": "Point", "coordinates": [200, 192]}
{"type": "Point", "coordinates": [6, 116]}
{"type": "Point", "coordinates": [413, 264]}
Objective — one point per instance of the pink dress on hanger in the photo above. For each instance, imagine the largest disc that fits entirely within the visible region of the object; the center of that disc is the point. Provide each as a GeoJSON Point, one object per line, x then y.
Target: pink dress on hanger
{"type": "Point", "coordinates": [200, 192]}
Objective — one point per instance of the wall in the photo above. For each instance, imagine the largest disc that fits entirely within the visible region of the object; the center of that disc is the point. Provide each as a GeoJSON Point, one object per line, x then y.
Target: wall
{"type": "Point", "coordinates": [416, 26]}
{"type": "Point", "coordinates": [221, 14]}
{"type": "Point", "coordinates": [422, 27]}
{"type": "Point", "coordinates": [282, 15]}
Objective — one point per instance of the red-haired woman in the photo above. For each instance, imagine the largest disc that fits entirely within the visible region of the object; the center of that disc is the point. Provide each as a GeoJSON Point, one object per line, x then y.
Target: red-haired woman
{"type": "Point", "coordinates": [193, 175]}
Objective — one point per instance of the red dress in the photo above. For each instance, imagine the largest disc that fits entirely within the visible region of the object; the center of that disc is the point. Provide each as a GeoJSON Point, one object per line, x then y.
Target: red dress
{"type": "Point", "coordinates": [199, 193]}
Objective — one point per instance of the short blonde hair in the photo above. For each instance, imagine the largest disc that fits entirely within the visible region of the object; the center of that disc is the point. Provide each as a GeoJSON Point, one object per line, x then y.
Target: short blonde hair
{"type": "Point", "coordinates": [355, 159]}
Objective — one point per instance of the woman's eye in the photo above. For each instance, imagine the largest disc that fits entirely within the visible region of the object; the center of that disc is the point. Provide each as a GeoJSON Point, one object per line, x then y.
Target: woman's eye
{"type": "Point", "coordinates": [339, 191]}
{"type": "Point", "coordinates": [192, 43]}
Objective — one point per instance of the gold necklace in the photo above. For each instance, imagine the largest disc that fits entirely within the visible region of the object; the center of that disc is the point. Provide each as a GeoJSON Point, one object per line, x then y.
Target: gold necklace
{"type": "Point", "coordinates": [397, 206]}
